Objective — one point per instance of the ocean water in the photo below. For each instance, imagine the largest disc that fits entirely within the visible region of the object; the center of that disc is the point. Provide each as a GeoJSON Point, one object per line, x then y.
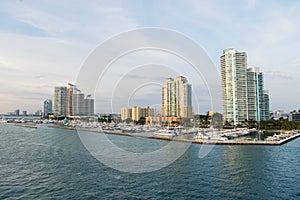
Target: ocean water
{"type": "Point", "coordinates": [46, 163]}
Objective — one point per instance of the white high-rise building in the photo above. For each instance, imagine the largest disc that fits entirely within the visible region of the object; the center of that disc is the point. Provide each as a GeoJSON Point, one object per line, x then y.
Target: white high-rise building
{"type": "Point", "coordinates": [60, 101]}
{"type": "Point", "coordinates": [177, 98]}
{"type": "Point", "coordinates": [234, 86]}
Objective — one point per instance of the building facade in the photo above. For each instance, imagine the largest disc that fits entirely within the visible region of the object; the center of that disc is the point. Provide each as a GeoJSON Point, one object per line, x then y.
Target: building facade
{"type": "Point", "coordinates": [294, 116]}
{"type": "Point", "coordinates": [47, 107]}
{"type": "Point", "coordinates": [78, 104]}
{"type": "Point", "coordinates": [126, 113]}
{"type": "Point", "coordinates": [60, 101]}
{"type": "Point", "coordinates": [177, 98]}
{"type": "Point", "coordinates": [266, 114]}
{"type": "Point", "coordinates": [135, 113]}
{"type": "Point", "coordinates": [89, 106]}
{"type": "Point", "coordinates": [17, 112]}
{"type": "Point", "coordinates": [234, 85]}
{"type": "Point", "coordinates": [72, 102]}
{"type": "Point", "coordinates": [255, 90]}
{"type": "Point", "coordinates": [258, 98]}
{"type": "Point", "coordinates": [70, 92]}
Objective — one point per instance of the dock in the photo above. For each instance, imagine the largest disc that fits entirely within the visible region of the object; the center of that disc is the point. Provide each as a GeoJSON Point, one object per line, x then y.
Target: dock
{"type": "Point", "coordinates": [207, 142]}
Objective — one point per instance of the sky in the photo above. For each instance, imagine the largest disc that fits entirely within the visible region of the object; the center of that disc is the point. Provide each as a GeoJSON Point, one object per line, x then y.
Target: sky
{"type": "Point", "coordinates": [45, 44]}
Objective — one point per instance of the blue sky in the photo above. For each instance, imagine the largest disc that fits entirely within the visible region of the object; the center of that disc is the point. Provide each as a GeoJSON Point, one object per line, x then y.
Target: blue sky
{"type": "Point", "coordinates": [44, 43]}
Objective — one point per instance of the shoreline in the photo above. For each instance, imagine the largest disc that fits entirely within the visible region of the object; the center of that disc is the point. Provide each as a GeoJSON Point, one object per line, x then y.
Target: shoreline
{"type": "Point", "coordinates": [207, 142]}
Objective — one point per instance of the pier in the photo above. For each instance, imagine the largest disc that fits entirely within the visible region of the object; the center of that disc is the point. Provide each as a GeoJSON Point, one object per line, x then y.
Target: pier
{"type": "Point", "coordinates": [207, 142]}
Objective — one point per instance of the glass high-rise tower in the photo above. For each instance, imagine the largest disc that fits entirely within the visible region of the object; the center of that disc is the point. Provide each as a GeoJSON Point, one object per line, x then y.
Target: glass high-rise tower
{"type": "Point", "coordinates": [256, 101]}
{"type": "Point", "coordinates": [244, 97]}
{"type": "Point", "coordinates": [234, 85]}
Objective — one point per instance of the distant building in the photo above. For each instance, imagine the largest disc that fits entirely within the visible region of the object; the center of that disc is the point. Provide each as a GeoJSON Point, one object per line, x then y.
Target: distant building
{"type": "Point", "coordinates": [162, 120]}
{"type": "Point", "coordinates": [294, 116]}
{"type": "Point", "coordinates": [126, 113]}
{"type": "Point", "coordinates": [60, 101]}
{"type": "Point", "coordinates": [135, 113]}
{"type": "Point", "coordinates": [70, 92]}
{"type": "Point", "coordinates": [38, 113]}
{"type": "Point", "coordinates": [234, 85]}
{"type": "Point", "coordinates": [17, 112]}
{"type": "Point", "coordinates": [24, 113]}
{"type": "Point", "coordinates": [78, 104]}
{"type": "Point", "coordinates": [266, 114]}
{"type": "Point", "coordinates": [72, 102]}
{"type": "Point", "coordinates": [147, 111]}
{"type": "Point", "coordinates": [89, 106]}
{"type": "Point", "coordinates": [279, 114]}
{"type": "Point", "coordinates": [47, 107]}
{"type": "Point", "coordinates": [177, 98]}
{"type": "Point", "coordinates": [82, 106]}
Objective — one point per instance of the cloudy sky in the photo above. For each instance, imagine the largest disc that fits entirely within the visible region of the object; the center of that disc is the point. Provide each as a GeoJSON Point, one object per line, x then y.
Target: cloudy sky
{"type": "Point", "coordinates": [45, 43]}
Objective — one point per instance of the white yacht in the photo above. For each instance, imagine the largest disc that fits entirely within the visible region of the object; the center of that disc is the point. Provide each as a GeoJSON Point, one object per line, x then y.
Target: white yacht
{"type": "Point", "coordinates": [209, 134]}
{"type": "Point", "coordinates": [168, 131]}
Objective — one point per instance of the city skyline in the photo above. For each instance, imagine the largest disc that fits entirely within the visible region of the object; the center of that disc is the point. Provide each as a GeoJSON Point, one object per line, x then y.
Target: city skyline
{"type": "Point", "coordinates": [43, 45]}
{"type": "Point", "coordinates": [244, 96]}
{"type": "Point", "coordinates": [70, 101]}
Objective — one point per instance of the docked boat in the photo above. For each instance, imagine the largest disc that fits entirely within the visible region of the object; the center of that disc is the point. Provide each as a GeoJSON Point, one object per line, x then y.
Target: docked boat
{"type": "Point", "coordinates": [239, 132]}
{"type": "Point", "coordinates": [168, 131]}
{"type": "Point", "coordinates": [4, 120]}
{"type": "Point", "coordinates": [210, 134]}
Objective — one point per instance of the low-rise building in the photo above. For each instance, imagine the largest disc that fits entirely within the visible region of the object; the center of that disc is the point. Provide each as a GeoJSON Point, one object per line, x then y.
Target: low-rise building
{"type": "Point", "coordinates": [294, 116]}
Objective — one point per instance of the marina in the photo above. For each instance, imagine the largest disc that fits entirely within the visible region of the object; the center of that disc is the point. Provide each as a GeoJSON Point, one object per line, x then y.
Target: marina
{"type": "Point", "coordinates": [286, 137]}
{"type": "Point", "coordinates": [239, 136]}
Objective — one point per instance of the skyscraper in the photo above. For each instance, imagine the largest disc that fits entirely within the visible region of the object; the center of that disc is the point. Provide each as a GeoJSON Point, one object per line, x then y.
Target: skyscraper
{"type": "Point", "coordinates": [89, 106]}
{"type": "Point", "coordinates": [257, 103]}
{"type": "Point", "coordinates": [60, 101]}
{"type": "Point", "coordinates": [266, 114]}
{"type": "Point", "coordinates": [177, 98]}
{"type": "Point", "coordinates": [78, 104]}
{"type": "Point", "coordinates": [17, 112]}
{"type": "Point", "coordinates": [234, 85]}
{"type": "Point", "coordinates": [70, 92]}
{"type": "Point", "coordinates": [47, 107]}
{"type": "Point", "coordinates": [71, 102]}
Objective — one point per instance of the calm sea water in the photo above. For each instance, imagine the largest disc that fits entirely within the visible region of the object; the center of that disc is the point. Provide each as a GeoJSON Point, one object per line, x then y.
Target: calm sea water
{"type": "Point", "coordinates": [49, 163]}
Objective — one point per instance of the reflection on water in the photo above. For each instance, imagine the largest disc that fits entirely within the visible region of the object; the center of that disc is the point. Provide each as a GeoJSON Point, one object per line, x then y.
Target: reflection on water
{"type": "Point", "coordinates": [247, 169]}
